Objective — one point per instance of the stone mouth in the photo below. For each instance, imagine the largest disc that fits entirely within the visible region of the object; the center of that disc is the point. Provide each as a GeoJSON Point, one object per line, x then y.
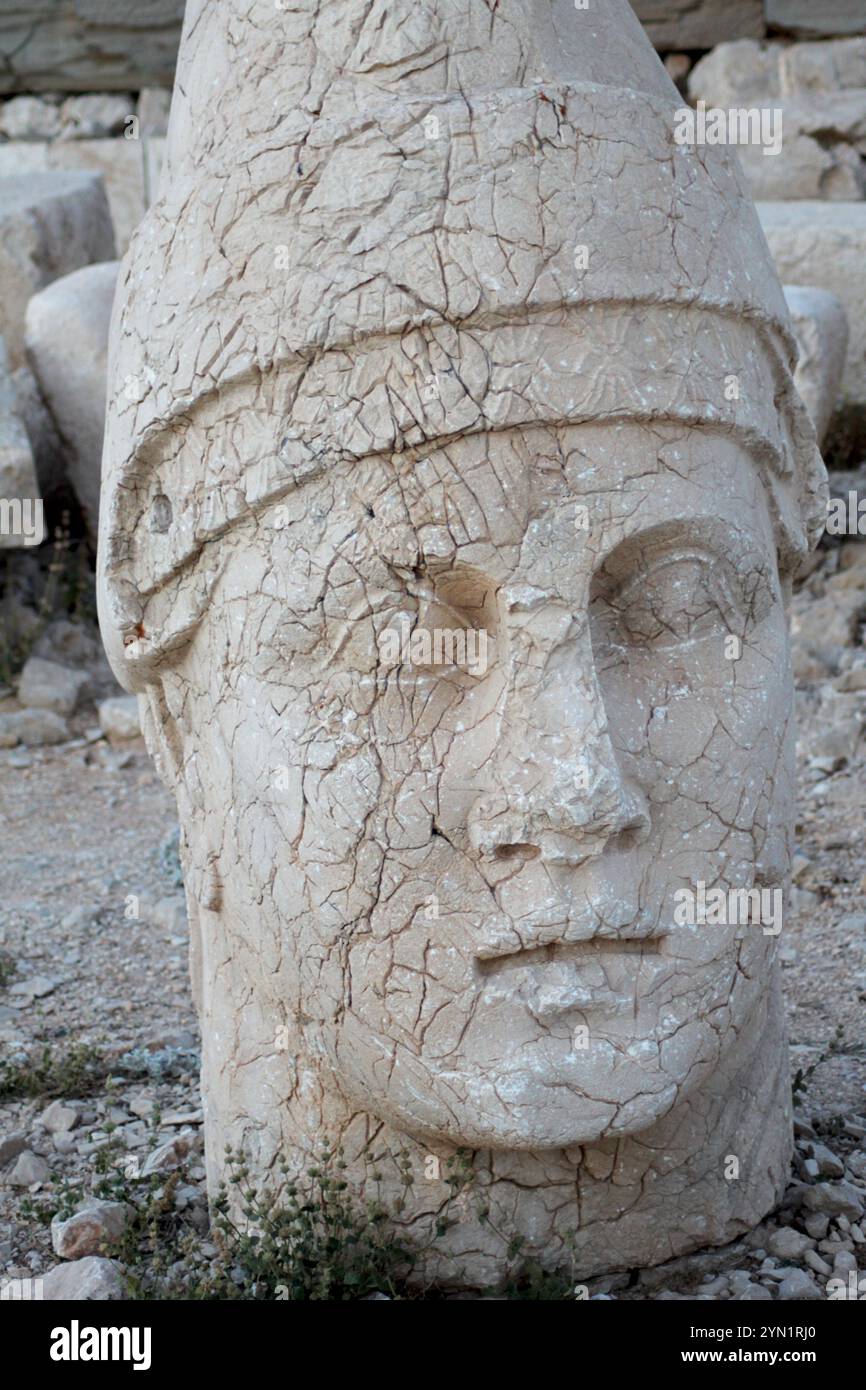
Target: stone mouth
{"type": "Point", "coordinates": [569, 952]}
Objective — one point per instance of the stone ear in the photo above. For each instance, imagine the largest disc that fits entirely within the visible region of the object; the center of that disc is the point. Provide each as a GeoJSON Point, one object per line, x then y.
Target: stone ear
{"type": "Point", "coordinates": [162, 736]}
{"type": "Point", "coordinates": [164, 742]}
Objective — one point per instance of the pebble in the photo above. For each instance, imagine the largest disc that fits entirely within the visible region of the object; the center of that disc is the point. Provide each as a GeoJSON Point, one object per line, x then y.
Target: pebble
{"type": "Point", "coordinates": [168, 1156]}
{"type": "Point", "coordinates": [817, 1224]}
{"type": "Point", "coordinates": [788, 1244]}
{"type": "Point", "coordinates": [857, 1164]}
{"type": "Point", "coordinates": [798, 1284]}
{"type": "Point", "coordinates": [11, 1145]}
{"type": "Point", "coordinates": [93, 1278]}
{"type": "Point", "coordinates": [87, 1232]}
{"type": "Point", "coordinates": [829, 1164]}
{"type": "Point", "coordinates": [28, 1169]}
{"type": "Point", "coordinates": [59, 1118]}
{"type": "Point", "coordinates": [844, 1263]}
{"type": "Point", "coordinates": [33, 727]}
{"type": "Point", "coordinates": [814, 1261]}
{"type": "Point", "coordinates": [36, 987]}
{"type": "Point", "coordinates": [835, 1198]}
{"type": "Point", "coordinates": [119, 719]}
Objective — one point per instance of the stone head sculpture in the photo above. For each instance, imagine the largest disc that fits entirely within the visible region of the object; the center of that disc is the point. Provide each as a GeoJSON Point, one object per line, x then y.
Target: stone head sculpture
{"type": "Point", "coordinates": [454, 478]}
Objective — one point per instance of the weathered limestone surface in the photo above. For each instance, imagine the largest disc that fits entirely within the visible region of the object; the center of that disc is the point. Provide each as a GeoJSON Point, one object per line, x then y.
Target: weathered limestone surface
{"type": "Point", "coordinates": [87, 45]}
{"type": "Point", "coordinates": [454, 477]}
{"type": "Point", "coordinates": [50, 224]}
{"type": "Point", "coordinates": [824, 244]}
{"type": "Point", "coordinates": [75, 310]}
{"type": "Point", "coordinates": [821, 326]}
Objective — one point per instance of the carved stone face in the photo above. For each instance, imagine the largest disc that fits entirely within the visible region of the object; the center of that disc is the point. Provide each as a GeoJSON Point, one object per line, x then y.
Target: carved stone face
{"type": "Point", "coordinates": [456, 878]}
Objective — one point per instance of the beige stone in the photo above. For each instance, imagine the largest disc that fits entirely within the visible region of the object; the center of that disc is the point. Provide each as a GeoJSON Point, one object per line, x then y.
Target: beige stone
{"type": "Point", "coordinates": [50, 224]}
{"type": "Point", "coordinates": [48, 685]}
{"type": "Point", "coordinates": [737, 73]}
{"type": "Point", "coordinates": [92, 1279]}
{"type": "Point", "coordinates": [119, 718]}
{"type": "Point", "coordinates": [821, 326]}
{"type": "Point", "coordinates": [449, 514]}
{"type": "Point", "coordinates": [75, 309]}
{"type": "Point", "coordinates": [699, 23]}
{"type": "Point", "coordinates": [120, 163]}
{"type": "Point", "coordinates": [815, 18]}
{"type": "Point", "coordinates": [91, 1230]}
{"type": "Point", "coordinates": [826, 68]}
{"type": "Point", "coordinates": [824, 244]}
{"type": "Point", "coordinates": [807, 168]}
{"type": "Point", "coordinates": [746, 71]}
{"type": "Point", "coordinates": [820, 91]}
{"type": "Point", "coordinates": [88, 45]}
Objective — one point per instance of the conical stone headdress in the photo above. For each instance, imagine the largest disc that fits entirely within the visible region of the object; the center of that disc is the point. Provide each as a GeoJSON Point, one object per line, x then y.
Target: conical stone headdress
{"type": "Point", "coordinates": [364, 198]}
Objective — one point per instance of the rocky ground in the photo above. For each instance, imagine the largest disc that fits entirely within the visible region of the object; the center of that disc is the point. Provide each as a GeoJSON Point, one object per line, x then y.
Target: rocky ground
{"type": "Point", "coordinates": [94, 970]}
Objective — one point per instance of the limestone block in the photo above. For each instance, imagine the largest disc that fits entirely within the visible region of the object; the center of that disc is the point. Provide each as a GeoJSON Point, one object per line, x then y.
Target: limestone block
{"type": "Point", "coordinates": [119, 162]}
{"type": "Point", "coordinates": [50, 224]}
{"type": "Point", "coordinates": [820, 90]}
{"type": "Point", "coordinates": [93, 1278]}
{"type": "Point", "coordinates": [75, 309]}
{"type": "Point", "coordinates": [824, 244]}
{"type": "Point", "coordinates": [88, 45]}
{"type": "Point", "coordinates": [699, 23]}
{"type": "Point", "coordinates": [807, 167]}
{"type": "Point", "coordinates": [808, 19]}
{"type": "Point", "coordinates": [737, 73]}
{"type": "Point", "coordinates": [823, 68]}
{"type": "Point", "coordinates": [95, 116]}
{"type": "Point", "coordinates": [153, 109]}
{"type": "Point", "coordinates": [744, 71]}
{"type": "Point", "coordinates": [29, 118]}
{"type": "Point", "coordinates": [821, 327]}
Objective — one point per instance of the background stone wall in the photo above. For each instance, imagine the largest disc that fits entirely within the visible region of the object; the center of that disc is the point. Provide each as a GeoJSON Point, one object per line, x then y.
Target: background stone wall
{"type": "Point", "coordinates": [113, 45]}
{"type": "Point", "coordinates": [88, 45]}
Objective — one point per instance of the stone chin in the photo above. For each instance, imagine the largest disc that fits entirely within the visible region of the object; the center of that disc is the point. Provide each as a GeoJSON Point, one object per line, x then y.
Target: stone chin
{"type": "Point", "coordinates": [545, 1094]}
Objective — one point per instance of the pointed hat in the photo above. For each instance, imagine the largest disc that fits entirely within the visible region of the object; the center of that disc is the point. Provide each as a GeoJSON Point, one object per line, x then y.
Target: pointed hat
{"type": "Point", "coordinates": [362, 198]}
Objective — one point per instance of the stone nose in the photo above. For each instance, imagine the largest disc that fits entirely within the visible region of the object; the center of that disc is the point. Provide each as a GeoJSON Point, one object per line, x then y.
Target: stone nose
{"type": "Point", "coordinates": [557, 821]}
{"type": "Point", "coordinates": [556, 788]}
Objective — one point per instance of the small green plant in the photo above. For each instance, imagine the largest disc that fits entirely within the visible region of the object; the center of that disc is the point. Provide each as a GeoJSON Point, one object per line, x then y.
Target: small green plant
{"type": "Point", "coordinates": [8, 969]}
{"type": "Point", "coordinates": [80, 1071]}
{"type": "Point", "coordinates": [314, 1242]}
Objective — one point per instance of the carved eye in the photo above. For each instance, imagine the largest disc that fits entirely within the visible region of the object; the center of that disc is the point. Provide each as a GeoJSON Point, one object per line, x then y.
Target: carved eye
{"type": "Point", "coordinates": [455, 624]}
{"type": "Point", "coordinates": [677, 596]}
{"type": "Point", "coordinates": [682, 599]}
